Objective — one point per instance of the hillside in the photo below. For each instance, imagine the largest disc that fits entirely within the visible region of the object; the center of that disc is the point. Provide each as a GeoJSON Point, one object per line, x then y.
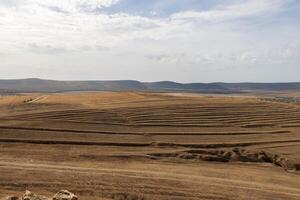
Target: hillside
{"type": "Point", "coordinates": [148, 146]}
{"type": "Point", "coordinates": [40, 85]}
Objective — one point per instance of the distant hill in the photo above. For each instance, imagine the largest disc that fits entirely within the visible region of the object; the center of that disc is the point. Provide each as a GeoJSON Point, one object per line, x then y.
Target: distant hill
{"type": "Point", "coordinates": [261, 86]}
{"type": "Point", "coordinates": [168, 85]}
{"type": "Point", "coordinates": [7, 92]}
{"type": "Point", "coordinates": [41, 85]}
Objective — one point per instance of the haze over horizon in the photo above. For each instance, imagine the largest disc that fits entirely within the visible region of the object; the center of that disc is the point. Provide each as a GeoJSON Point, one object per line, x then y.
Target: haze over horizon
{"type": "Point", "coordinates": [182, 41]}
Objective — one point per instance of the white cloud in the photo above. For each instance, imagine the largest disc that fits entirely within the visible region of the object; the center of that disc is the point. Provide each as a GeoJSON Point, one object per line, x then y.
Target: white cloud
{"type": "Point", "coordinates": [69, 34]}
{"type": "Point", "coordinates": [244, 9]}
{"type": "Point", "coordinates": [64, 5]}
{"type": "Point", "coordinates": [75, 5]}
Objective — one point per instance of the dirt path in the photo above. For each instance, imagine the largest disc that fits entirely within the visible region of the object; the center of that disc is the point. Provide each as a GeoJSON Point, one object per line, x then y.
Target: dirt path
{"type": "Point", "coordinates": [38, 99]}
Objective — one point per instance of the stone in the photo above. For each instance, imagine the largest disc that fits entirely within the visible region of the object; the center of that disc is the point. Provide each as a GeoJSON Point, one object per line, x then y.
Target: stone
{"type": "Point", "coordinates": [31, 196]}
{"type": "Point", "coordinates": [12, 198]}
{"type": "Point", "coordinates": [64, 195]}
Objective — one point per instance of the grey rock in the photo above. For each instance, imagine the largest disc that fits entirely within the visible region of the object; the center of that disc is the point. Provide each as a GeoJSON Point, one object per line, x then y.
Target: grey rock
{"type": "Point", "coordinates": [31, 196]}
{"type": "Point", "coordinates": [65, 195]}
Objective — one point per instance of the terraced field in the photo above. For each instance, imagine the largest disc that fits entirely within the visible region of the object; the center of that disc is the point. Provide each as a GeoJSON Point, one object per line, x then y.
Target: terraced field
{"type": "Point", "coordinates": [150, 146]}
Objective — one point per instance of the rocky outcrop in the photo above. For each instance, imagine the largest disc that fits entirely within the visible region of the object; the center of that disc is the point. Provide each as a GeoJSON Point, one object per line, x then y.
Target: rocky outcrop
{"type": "Point", "coordinates": [61, 195]}
{"type": "Point", "coordinates": [230, 155]}
{"type": "Point", "coordinates": [31, 196]}
{"type": "Point", "coordinates": [64, 195]}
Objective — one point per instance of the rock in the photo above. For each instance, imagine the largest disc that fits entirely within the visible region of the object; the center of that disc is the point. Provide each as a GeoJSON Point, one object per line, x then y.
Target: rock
{"type": "Point", "coordinates": [31, 196]}
{"type": "Point", "coordinates": [64, 195]}
{"type": "Point", "coordinates": [61, 195]}
{"type": "Point", "coordinates": [12, 198]}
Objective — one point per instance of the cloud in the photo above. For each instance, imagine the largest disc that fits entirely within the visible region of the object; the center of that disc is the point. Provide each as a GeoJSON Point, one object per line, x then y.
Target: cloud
{"type": "Point", "coordinates": [78, 33]}
{"type": "Point", "coordinates": [47, 49]}
{"type": "Point", "coordinates": [233, 11]}
{"type": "Point", "coordinates": [75, 5]}
{"type": "Point", "coordinates": [65, 5]}
{"type": "Point", "coordinates": [10, 2]}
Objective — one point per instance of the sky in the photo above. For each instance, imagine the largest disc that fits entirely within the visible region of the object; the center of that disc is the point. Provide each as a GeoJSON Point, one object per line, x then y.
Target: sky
{"type": "Point", "coordinates": [151, 40]}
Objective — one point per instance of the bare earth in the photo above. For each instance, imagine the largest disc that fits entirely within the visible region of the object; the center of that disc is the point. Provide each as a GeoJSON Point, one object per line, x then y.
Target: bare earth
{"type": "Point", "coordinates": [135, 145]}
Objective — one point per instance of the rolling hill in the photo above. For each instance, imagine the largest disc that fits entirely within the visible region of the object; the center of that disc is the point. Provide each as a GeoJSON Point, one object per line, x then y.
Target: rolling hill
{"type": "Point", "coordinates": [41, 85]}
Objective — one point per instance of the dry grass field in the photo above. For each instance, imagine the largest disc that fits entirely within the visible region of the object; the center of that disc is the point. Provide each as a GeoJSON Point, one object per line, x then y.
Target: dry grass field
{"type": "Point", "coordinates": [135, 145]}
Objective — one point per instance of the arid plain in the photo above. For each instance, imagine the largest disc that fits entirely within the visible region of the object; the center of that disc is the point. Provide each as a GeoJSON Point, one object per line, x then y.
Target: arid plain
{"type": "Point", "coordinates": [135, 145]}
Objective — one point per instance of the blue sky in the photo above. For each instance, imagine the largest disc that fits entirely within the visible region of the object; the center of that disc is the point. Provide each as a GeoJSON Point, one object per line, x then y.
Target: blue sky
{"type": "Point", "coordinates": [159, 8]}
{"type": "Point", "coordinates": [151, 40]}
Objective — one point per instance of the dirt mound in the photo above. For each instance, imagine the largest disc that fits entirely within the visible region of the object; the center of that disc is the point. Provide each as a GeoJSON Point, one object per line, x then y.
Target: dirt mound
{"type": "Point", "coordinates": [235, 154]}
